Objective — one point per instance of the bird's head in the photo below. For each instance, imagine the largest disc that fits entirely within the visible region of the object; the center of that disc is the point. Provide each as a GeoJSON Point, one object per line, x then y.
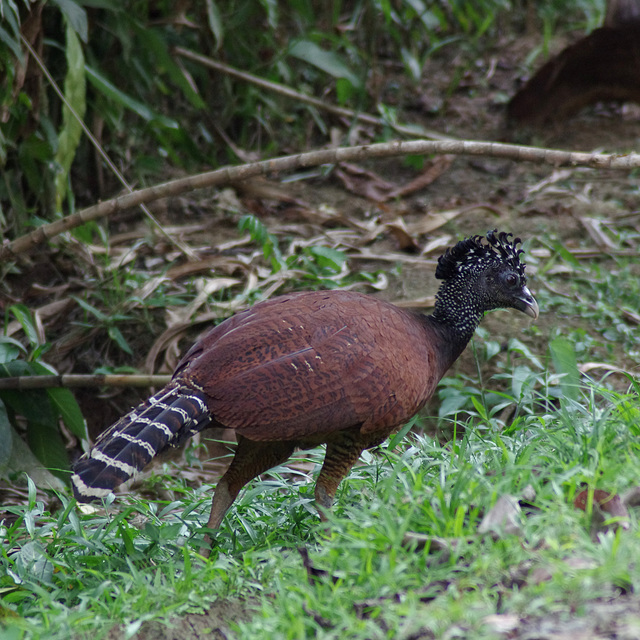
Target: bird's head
{"type": "Point", "coordinates": [486, 273]}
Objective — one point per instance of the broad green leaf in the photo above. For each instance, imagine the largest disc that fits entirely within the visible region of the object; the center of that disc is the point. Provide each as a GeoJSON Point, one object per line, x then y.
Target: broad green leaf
{"type": "Point", "coordinates": [480, 408]}
{"type": "Point", "coordinates": [328, 61]}
{"type": "Point", "coordinates": [6, 439]}
{"type": "Point", "coordinates": [564, 360]}
{"type": "Point", "coordinates": [411, 63]}
{"type": "Point", "coordinates": [109, 90]}
{"type": "Point", "coordinates": [127, 538]}
{"type": "Point", "coordinates": [41, 407]}
{"type": "Point", "coordinates": [327, 257]}
{"type": "Point", "coordinates": [89, 308]}
{"type": "Point", "coordinates": [86, 233]}
{"type": "Point", "coordinates": [30, 151]}
{"type": "Point", "coordinates": [46, 443]}
{"type": "Point", "coordinates": [396, 438]}
{"type": "Point", "coordinates": [76, 17]}
{"type": "Point", "coordinates": [102, 4]}
{"type": "Point", "coordinates": [520, 347]}
{"type": "Point", "coordinates": [33, 404]}
{"type": "Point", "coordinates": [23, 316]}
{"type": "Point", "coordinates": [271, 7]}
{"type": "Point", "coordinates": [37, 148]}
{"type": "Point", "coordinates": [116, 335]}
{"type": "Point", "coordinates": [75, 93]}
{"type": "Point", "coordinates": [10, 349]}
{"type": "Point", "coordinates": [215, 23]}
{"type": "Point", "coordinates": [10, 13]}
{"type": "Point", "coordinates": [12, 368]}
{"type": "Point", "coordinates": [452, 404]}
{"type": "Point", "coordinates": [567, 256]}
{"type": "Point", "coordinates": [41, 369]}
{"type": "Point", "coordinates": [344, 91]}
{"type": "Point", "coordinates": [62, 401]}
{"type": "Point", "coordinates": [427, 18]}
{"type": "Point", "coordinates": [12, 43]}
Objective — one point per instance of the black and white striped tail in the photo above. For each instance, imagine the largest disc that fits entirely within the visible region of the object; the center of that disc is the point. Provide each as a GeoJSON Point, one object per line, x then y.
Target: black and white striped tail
{"type": "Point", "coordinates": [165, 420]}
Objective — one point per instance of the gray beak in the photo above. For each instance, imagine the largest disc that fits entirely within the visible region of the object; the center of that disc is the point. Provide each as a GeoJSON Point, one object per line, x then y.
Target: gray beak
{"type": "Point", "coordinates": [530, 306]}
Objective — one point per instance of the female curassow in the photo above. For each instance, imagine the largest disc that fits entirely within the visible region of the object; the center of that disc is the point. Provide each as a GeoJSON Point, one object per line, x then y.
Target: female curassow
{"type": "Point", "coordinates": [333, 367]}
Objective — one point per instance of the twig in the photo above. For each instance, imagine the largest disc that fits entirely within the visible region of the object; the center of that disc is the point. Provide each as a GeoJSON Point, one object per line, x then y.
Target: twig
{"type": "Point", "coordinates": [227, 175]}
{"type": "Point", "coordinates": [78, 380]}
{"type": "Point", "coordinates": [283, 90]}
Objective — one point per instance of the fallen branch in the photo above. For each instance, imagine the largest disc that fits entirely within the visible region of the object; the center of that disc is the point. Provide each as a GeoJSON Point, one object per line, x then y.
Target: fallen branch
{"type": "Point", "coordinates": [228, 175]}
{"type": "Point", "coordinates": [78, 380]}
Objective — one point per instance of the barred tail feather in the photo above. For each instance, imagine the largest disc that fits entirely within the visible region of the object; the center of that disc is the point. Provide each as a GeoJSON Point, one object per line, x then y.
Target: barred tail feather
{"type": "Point", "coordinates": [164, 420]}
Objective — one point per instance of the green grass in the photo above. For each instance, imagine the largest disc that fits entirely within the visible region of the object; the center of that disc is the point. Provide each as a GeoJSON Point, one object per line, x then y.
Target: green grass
{"type": "Point", "coordinates": [69, 575]}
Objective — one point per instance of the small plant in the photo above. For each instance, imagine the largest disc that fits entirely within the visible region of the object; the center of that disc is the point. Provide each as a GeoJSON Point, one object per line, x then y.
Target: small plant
{"type": "Point", "coordinates": [38, 412]}
{"type": "Point", "coordinates": [269, 243]}
{"type": "Point", "coordinates": [108, 321]}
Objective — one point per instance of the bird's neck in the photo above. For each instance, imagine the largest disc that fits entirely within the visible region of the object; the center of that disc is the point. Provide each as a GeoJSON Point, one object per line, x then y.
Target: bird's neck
{"type": "Point", "coordinates": [457, 314]}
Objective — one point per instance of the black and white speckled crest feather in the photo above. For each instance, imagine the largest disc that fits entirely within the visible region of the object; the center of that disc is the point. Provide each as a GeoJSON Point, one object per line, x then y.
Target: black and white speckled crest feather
{"type": "Point", "coordinates": [478, 251]}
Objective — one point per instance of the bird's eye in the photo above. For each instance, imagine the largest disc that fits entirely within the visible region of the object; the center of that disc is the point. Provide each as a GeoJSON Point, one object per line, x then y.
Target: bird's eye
{"type": "Point", "coordinates": [512, 279]}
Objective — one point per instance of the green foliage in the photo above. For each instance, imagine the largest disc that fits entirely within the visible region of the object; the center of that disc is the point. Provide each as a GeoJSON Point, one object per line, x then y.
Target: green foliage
{"type": "Point", "coordinates": [119, 69]}
{"type": "Point", "coordinates": [108, 321]}
{"type": "Point", "coordinates": [317, 266]}
{"type": "Point", "coordinates": [260, 234]}
{"type": "Point", "coordinates": [75, 574]}
{"type": "Point", "coordinates": [73, 113]}
{"type": "Point", "coordinates": [41, 410]}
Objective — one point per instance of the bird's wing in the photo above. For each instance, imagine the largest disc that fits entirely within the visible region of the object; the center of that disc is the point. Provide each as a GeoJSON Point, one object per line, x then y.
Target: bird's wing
{"type": "Point", "coordinates": [308, 368]}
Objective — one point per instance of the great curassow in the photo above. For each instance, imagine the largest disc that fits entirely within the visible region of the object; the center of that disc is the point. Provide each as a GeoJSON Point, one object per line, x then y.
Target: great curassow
{"type": "Point", "coordinates": [299, 370]}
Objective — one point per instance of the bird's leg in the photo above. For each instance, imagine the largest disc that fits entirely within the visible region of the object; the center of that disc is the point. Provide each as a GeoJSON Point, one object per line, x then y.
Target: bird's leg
{"type": "Point", "coordinates": [342, 453]}
{"type": "Point", "coordinates": [250, 460]}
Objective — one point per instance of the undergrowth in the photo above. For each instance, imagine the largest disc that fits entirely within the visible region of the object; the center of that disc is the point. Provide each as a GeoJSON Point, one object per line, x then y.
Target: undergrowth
{"type": "Point", "coordinates": [78, 572]}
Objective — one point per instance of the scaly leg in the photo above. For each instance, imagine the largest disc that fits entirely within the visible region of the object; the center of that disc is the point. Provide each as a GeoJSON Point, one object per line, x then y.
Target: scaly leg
{"type": "Point", "coordinates": [250, 460]}
{"type": "Point", "coordinates": [342, 454]}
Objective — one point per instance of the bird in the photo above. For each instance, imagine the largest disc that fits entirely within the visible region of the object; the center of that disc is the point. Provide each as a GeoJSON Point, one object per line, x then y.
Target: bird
{"type": "Point", "coordinates": [335, 367]}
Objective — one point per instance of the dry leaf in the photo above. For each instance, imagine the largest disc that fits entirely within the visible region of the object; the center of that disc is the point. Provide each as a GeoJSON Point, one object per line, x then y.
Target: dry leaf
{"type": "Point", "coordinates": [595, 230]}
{"type": "Point", "coordinates": [433, 171]}
{"type": "Point", "coordinates": [631, 497]}
{"type": "Point", "coordinates": [363, 183]}
{"type": "Point", "coordinates": [630, 315]}
{"type": "Point", "coordinates": [606, 507]}
{"type": "Point", "coordinates": [403, 237]}
{"type": "Point", "coordinates": [433, 221]}
{"type": "Point", "coordinates": [503, 518]}
{"type": "Point", "coordinates": [265, 190]}
{"type": "Point", "coordinates": [590, 366]}
{"type": "Point", "coordinates": [502, 622]}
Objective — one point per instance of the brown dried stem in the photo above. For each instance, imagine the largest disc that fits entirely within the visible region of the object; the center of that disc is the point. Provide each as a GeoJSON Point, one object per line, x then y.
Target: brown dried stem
{"type": "Point", "coordinates": [79, 380]}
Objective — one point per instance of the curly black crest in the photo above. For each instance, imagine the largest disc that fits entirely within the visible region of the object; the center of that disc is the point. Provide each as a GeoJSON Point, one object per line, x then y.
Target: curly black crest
{"type": "Point", "coordinates": [477, 252]}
